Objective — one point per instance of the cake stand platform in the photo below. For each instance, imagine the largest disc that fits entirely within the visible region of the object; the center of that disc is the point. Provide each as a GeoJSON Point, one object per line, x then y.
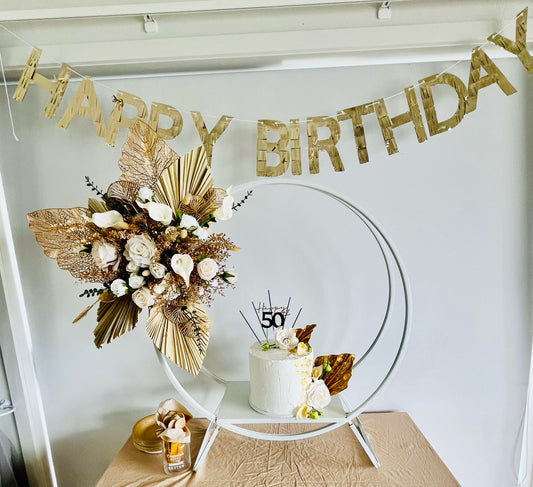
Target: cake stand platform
{"type": "Point", "coordinates": [233, 411]}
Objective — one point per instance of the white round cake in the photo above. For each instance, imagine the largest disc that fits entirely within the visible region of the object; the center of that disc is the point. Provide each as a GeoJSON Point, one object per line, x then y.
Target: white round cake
{"type": "Point", "coordinates": [278, 380]}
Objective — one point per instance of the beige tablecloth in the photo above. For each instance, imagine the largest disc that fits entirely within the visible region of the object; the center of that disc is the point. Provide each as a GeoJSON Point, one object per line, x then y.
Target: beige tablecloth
{"type": "Point", "coordinates": [331, 459]}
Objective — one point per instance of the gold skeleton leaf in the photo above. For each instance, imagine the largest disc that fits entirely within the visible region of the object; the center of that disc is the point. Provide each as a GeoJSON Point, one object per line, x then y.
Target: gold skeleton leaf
{"type": "Point", "coordinates": [62, 233]}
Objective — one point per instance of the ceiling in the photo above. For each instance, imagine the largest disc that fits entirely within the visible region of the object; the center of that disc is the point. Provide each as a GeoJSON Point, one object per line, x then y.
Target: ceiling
{"type": "Point", "coordinates": [109, 39]}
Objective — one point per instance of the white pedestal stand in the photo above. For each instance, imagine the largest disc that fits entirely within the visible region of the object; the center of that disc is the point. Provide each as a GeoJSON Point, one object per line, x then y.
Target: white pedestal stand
{"type": "Point", "coordinates": [234, 409]}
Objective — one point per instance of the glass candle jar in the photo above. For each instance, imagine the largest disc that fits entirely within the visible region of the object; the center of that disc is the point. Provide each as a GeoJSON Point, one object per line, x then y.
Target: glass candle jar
{"type": "Point", "coordinates": [176, 456]}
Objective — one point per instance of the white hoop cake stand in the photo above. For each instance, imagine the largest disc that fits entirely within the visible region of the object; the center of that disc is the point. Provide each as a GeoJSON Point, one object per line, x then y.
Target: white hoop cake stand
{"type": "Point", "coordinates": [234, 410]}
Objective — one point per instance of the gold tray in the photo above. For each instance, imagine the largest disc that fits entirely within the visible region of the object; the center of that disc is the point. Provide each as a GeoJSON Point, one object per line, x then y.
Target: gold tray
{"type": "Point", "coordinates": [144, 435]}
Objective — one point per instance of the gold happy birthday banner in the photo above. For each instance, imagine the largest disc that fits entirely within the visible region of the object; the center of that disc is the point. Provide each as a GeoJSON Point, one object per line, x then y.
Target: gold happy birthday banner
{"type": "Point", "coordinates": [287, 148]}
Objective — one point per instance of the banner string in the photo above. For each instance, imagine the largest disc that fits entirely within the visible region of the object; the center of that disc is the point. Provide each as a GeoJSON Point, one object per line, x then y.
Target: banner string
{"type": "Point", "coordinates": [7, 98]}
{"type": "Point", "coordinates": [390, 97]}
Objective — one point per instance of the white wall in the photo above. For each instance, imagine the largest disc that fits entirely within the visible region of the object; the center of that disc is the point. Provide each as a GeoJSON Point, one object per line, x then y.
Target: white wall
{"type": "Point", "coordinates": [456, 207]}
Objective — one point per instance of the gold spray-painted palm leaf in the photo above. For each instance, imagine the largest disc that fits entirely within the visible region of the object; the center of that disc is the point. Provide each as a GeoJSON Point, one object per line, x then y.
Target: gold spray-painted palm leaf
{"type": "Point", "coordinates": [304, 334]}
{"type": "Point", "coordinates": [189, 176]}
{"type": "Point", "coordinates": [115, 317]}
{"type": "Point", "coordinates": [145, 155]}
{"type": "Point", "coordinates": [181, 334]}
{"type": "Point", "coordinates": [201, 207]}
{"type": "Point", "coordinates": [63, 233]}
{"type": "Point", "coordinates": [341, 371]}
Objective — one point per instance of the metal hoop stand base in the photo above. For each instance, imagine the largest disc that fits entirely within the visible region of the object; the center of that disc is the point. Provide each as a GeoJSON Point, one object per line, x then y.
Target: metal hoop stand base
{"type": "Point", "coordinates": [234, 409]}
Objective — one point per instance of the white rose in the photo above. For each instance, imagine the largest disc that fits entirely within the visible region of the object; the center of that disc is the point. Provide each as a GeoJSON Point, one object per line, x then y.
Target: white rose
{"type": "Point", "coordinates": [104, 254]}
{"type": "Point", "coordinates": [201, 233]}
{"type": "Point", "coordinates": [108, 219]}
{"type": "Point", "coordinates": [140, 249]}
{"type": "Point", "coordinates": [207, 269]}
{"type": "Point", "coordinates": [188, 221]}
{"type": "Point", "coordinates": [119, 287]}
{"type": "Point", "coordinates": [225, 212]}
{"type": "Point", "coordinates": [317, 395]}
{"type": "Point", "coordinates": [132, 267]}
{"type": "Point", "coordinates": [158, 211]}
{"type": "Point", "coordinates": [286, 339]}
{"type": "Point", "coordinates": [143, 297]}
{"type": "Point", "coordinates": [145, 193]}
{"type": "Point", "coordinates": [135, 281]}
{"type": "Point", "coordinates": [182, 265]}
{"type": "Point", "coordinates": [158, 270]}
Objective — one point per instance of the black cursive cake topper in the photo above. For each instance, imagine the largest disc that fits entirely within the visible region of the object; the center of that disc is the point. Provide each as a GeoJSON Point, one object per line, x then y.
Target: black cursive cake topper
{"type": "Point", "coordinates": [270, 317]}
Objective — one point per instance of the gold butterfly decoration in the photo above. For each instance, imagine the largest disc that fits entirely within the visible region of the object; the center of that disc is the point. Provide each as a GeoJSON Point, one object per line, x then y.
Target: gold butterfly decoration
{"type": "Point", "coordinates": [148, 241]}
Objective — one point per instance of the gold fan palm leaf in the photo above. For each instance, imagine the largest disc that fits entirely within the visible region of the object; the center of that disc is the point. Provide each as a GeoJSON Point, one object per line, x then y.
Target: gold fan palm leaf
{"type": "Point", "coordinates": [145, 155]}
{"type": "Point", "coordinates": [115, 317]}
{"type": "Point", "coordinates": [63, 233]}
{"type": "Point", "coordinates": [189, 175]}
{"type": "Point", "coordinates": [178, 337]}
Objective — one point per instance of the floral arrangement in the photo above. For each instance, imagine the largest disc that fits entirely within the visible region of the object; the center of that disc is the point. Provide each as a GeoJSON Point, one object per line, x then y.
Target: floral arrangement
{"type": "Point", "coordinates": [148, 241]}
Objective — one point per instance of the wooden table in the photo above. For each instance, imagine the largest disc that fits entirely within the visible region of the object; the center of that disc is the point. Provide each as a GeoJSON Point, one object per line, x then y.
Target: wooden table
{"type": "Point", "coordinates": [331, 459]}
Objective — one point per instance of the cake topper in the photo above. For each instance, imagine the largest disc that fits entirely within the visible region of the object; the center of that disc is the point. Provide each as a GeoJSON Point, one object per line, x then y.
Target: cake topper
{"type": "Point", "coordinates": [270, 317]}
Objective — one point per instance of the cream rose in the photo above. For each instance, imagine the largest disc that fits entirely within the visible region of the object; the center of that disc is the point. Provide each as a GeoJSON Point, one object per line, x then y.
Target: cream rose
{"type": "Point", "coordinates": [317, 395]}
{"type": "Point", "coordinates": [286, 339]}
{"type": "Point", "coordinates": [140, 249]}
{"type": "Point", "coordinates": [182, 265]}
{"type": "Point", "coordinates": [119, 287]}
{"type": "Point", "coordinates": [135, 281]}
{"type": "Point", "coordinates": [225, 212]}
{"type": "Point", "coordinates": [143, 297]}
{"type": "Point", "coordinates": [108, 219]}
{"type": "Point", "coordinates": [158, 270]}
{"type": "Point", "coordinates": [207, 269]}
{"type": "Point", "coordinates": [158, 211]}
{"type": "Point", "coordinates": [105, 255]}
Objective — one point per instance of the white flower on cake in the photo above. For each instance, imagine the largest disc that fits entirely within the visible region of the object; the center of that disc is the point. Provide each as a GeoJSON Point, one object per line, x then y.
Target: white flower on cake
{"type": "Point", "coordinates": [302, 349]}
{"type": "Point", "coordinates": [143, 297]}
{"type": "Point", "coordinates": [135, 281]}
{"type": "Point", "coordinates": [119, 287]}
{"type": "Point", "coordinates": [140, 249]}
{"type": "Point", "coordinates": [145, 194]}
{"type": "Point", "coordinates": [225, 212]}
{"type": "Point", "coordinates": [188, 221]}
{"type": "Point", "coordinates": [158, 270]}
{"type": "Point", "coordinates": [302, 412]}
{"type": "Point", "coordinates": [317, 396]}
{"type": "Point", "coordinates": [104, 254]}
{"type": "Point", "coordinates": [108, 219]}
{"type": "Point", "coordinates": [317, 372]}
{"type": "Point", "coordinates": [286, 339]}
{"type": "Point", "coordinates": [207, 269]}
{"type": "Point", "coordinates": [182, 265]}
{"type": "Point", "coordinates": [158, 211]}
